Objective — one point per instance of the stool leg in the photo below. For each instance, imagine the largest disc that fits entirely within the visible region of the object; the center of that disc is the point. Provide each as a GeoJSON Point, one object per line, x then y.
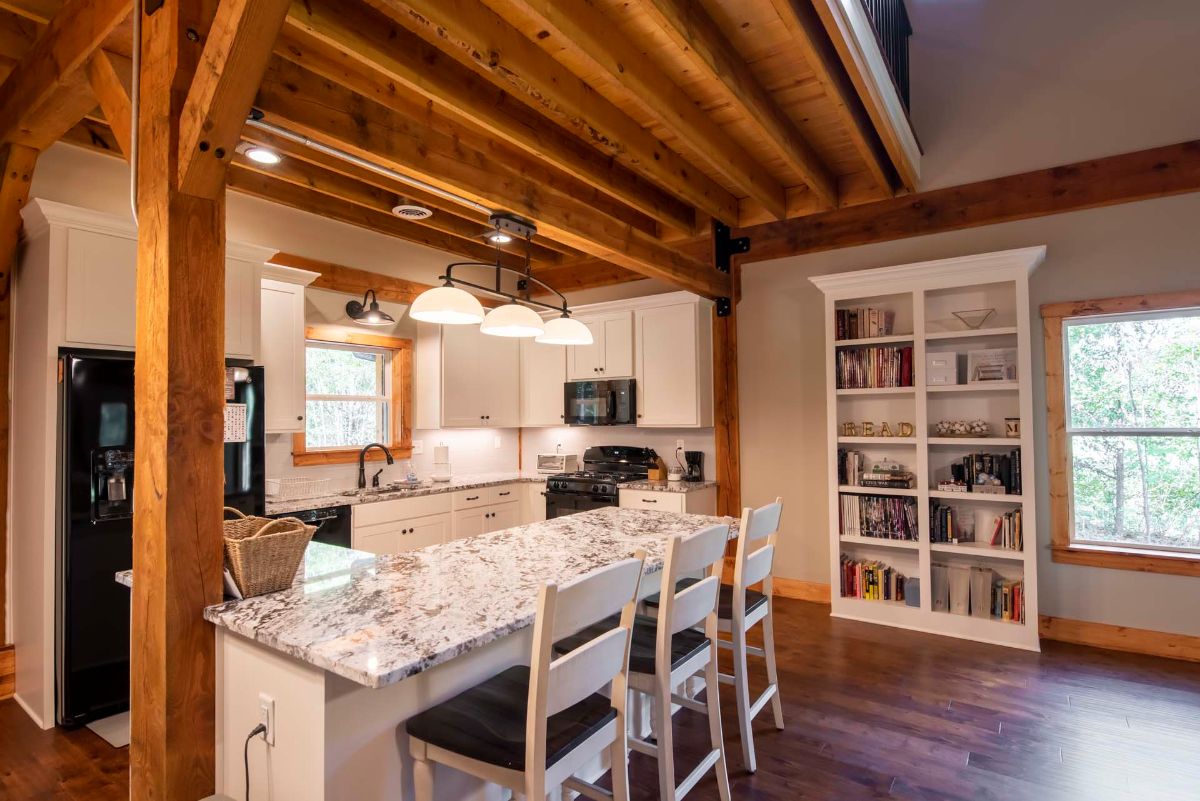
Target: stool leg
{"type": "Point", "coordinates": [714, 724]}
{"type": "Point", "coordinates": [772, 672]}
{"type": "Point", "coordinates": [666, 748]}
{"type": "Point", "coordinates": [741, 683]}
{"type": "Point", "coordinates": [618, 756]}
{"type": "Point", "coordinates": [422, 779]}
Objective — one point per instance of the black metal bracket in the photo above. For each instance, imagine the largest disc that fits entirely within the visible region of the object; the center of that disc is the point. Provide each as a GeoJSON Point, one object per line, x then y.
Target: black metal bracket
{"type": "Point", "coordinates": [725, 247]}
{"type": "Point", "coordinates": [150, 6]}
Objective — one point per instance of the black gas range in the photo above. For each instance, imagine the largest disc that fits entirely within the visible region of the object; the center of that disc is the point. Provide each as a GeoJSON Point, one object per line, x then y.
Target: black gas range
{"type": "Point", "coordinates": [606, 468]}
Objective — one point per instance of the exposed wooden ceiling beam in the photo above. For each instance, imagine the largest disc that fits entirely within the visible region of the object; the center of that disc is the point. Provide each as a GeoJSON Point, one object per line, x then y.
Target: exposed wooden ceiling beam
{"type": "Point", "coordinates": [353, 281]}
{"type": "Point", "coordinates": [1160, 172]}
{"type": "Point", "coordinates": [235, 54]}
{"type": "Point", "coordinates": [37, 10]}
{"type": "Point", "coordinates": [371, 38]}
{"type": "Point", "coordinates": [579, 28]}
{"type": "Point", "coordinates": [696, 33]}
{"type": "Point", "coordinates": [479, 38]}
{"type": "Point", "coordinates": [110, 88]}
{"type": "Point", "coordinates": [54, 65]}
{"type": "Point", "coordinates": [576, 276]}
{"type": "Point", "coordinates": [807, 30]}
{"type": "Point", "coordinates": [435, 150]}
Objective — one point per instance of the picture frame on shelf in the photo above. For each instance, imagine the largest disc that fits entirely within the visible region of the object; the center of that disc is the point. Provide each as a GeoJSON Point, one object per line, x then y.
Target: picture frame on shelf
{"type": "Point", "coordinates": [991, 364]}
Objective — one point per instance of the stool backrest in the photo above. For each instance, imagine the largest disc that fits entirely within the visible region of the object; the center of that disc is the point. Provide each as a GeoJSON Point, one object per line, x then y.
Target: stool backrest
{"type": "Point", "coordinates": [755, 559]}
{"type": "Point", "coordinates": [556, 684]}
{"type": "Point", "coordinates": [681, 610]}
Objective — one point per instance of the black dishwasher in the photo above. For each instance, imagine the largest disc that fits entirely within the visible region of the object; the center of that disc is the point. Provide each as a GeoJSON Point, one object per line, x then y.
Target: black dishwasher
{"type": "Point", "coordinates": [332, 522]}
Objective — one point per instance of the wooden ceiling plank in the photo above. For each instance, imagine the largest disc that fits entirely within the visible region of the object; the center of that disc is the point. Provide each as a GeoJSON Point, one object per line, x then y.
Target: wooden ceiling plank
{"type": "Point", "coordinates": [1160, 172]}
{"type": "Point", "coordinates": [37, 10]}
{"type": "Point", "coordinates": [697, 34]}
{"type": "Point", "coordinates": [578, 27]}
{"type": "Point", "coordinates": [368, 36]}
{"type": "Point", "coordinates": [476, 36]}
{"type": "Point", "coordinates": [808, 32]}
{"type": "Point", "coordinates": [425, 149]}
{"type": "Point", "coordinates": [231, 65]}
{"type": "Point", "coordinates": [52, 64]}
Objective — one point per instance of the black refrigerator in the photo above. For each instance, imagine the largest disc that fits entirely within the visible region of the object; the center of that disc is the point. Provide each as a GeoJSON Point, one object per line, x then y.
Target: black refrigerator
{"type": "Point", "coordinates": [95, 522]}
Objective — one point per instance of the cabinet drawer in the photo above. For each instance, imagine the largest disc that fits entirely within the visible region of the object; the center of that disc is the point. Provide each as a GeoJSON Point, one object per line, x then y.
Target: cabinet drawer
{"type": "Point", "coordinates": [469, 499]}
{"type": "Point", "coordinates": [367, 514]}
{"type": "Point", "coordinates": [649, 499]}
{"type": "Point", "coordinates": [505, 493]}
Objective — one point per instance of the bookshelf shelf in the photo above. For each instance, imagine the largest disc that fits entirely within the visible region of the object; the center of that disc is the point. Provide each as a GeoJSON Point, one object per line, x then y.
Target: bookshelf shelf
{"type": "Point", "coordinates": [976, 497]}
{"type": "Point", "coordinates": [977, 549]}
{"type": "Point", "coordinates": [908, 493]}
{"type": "Point", "coordinates": [881, 542]}
{"type": "Point", "coordinates": [922, 298]}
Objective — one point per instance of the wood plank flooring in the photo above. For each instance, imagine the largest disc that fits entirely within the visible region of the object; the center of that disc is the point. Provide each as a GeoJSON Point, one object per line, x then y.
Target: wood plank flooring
{"type": "Point", "coordinates": [871, 712]}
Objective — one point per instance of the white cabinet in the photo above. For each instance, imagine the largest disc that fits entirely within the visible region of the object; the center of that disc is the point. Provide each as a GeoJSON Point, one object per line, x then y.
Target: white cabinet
{"type": "Point", "coordinates": [243, 268]}
{"type": "Point", "coordinates": [402, 535]}
{"type": "Point", "coordinates": [611, 353]}
{"type": "Point", "coordinates": [543, 372]}
{"type": "Point", "coordinates": [674, 365]}
{"type": "Point", "coordinates": [480, 379]}
{"type": "Point", "coordinates": [282, 348]}
{"type": "Point", "coordinates": [501, 516]}
{"type": "Point", "coordinates": [696, 502]}
{"type": "Point", "coordinates": [479, 511]}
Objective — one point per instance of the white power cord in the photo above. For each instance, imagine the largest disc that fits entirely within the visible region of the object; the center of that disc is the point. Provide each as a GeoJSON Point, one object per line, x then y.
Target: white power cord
{"type": "Point", "coordinates": [134, 95]}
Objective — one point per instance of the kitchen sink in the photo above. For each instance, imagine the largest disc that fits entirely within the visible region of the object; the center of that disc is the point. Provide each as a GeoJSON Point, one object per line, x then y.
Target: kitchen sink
{"type": "Point", "coordinates": [387, 489]}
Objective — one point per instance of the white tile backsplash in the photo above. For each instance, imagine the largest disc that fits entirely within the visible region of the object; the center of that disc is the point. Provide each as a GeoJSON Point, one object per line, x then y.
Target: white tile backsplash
{"type": "Point", "coordinates": [575, 439]}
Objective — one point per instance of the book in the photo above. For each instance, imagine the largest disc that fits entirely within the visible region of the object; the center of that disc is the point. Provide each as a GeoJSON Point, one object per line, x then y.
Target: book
{"type": "Point", "coordinates": [874, 367]}
{"type": "Point", "coordinates": [883, 516]}
{"type": "Point", "coordinates": [863, 323]}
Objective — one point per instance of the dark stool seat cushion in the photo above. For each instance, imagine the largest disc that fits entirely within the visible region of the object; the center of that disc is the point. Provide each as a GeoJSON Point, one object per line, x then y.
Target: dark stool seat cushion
{"type": "Point", "coordinates": [684, 645]}
{"type": "Point", "coordinates": [724, 601]}
{"type": "Point", "coordinates": [487, 722]}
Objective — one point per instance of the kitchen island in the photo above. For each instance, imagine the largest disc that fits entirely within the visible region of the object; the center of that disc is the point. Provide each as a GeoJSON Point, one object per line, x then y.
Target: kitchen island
{"type": "Point", "coordinates": [360, 643]}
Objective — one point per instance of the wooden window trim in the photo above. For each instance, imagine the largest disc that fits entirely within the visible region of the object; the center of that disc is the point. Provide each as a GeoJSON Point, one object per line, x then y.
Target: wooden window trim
{"type": "Point", "coordinates": [1061, 548]}
{"type": "Point", "coordinates": [402, 393]}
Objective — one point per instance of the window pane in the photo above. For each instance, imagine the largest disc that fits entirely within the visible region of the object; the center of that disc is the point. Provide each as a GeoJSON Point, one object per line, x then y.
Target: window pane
{"type": "Point", "coordinates": [1142, 373]}
{"type": "Point", "coordinates": [344, 424]}
{"type": "Point", "coordinates": [1137, 490]}
{"type": "Point", "coordinates": [338, 371]}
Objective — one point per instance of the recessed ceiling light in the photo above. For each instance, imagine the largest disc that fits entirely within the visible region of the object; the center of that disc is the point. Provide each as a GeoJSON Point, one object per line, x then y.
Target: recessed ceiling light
{"type": "Point", "coordinates": [263, 156]}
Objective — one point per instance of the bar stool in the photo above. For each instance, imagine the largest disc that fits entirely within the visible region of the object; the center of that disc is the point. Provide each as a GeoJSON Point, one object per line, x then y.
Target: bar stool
{"type": "Point", "coordinates": [667, 651]}
{"type": "Point", "coordinates": [531, 728]}
{"type": "Point", "coordinates": [740, 608]}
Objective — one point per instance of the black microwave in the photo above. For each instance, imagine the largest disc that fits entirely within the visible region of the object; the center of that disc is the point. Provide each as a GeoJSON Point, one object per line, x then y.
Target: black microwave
{"type": "Point", "coordinates": [611, 402]}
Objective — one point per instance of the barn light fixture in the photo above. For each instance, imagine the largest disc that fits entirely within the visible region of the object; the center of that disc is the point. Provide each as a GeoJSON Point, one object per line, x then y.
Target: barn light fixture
{"type": "Point", "coordinates": [364, 314]}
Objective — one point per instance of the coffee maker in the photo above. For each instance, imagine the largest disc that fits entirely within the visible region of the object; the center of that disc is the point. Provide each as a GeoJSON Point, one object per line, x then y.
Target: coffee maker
{"type": "Point", "coordinates": [694, 471]}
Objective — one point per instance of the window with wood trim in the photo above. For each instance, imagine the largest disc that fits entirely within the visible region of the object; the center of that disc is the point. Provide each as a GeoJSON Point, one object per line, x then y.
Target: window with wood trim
{"type": "Point", "coordinates": [1123, 398]}
{"type": "Point", "coordinates": [358, 390]}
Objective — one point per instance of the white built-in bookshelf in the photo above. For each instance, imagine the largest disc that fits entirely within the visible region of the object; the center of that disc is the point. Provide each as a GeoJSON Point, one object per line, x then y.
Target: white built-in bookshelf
{"type": "Point", "coordinates": [919, 300]}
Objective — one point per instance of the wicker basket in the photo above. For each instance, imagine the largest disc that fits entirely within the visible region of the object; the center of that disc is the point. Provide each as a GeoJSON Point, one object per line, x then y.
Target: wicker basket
{"type": "Point", "coordinates": [264, 554]}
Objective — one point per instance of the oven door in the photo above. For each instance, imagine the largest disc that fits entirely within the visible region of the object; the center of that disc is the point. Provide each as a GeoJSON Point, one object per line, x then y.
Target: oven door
{"type": "Point", "coordinates": [559, 504]}
{"type": "Point", "coordinates": [599, 403]}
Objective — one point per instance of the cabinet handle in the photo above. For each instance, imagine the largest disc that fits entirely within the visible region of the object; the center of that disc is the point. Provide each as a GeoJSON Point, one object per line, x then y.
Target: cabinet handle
{"type": "Point", "coordinates": [299, 417]}
{"type": "Point", "coordinates": [647, 500]}
{"type": "Point", "coordinates": [473, 498]}
{"type": "Point", "coordinates": [639, 417]}
{"type": "Point", "coordinates": [505, 493]}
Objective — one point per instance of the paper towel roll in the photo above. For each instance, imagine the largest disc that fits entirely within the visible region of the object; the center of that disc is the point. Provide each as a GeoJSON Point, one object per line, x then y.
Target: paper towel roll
{"type": "Point", "coordinates": [441, 454]}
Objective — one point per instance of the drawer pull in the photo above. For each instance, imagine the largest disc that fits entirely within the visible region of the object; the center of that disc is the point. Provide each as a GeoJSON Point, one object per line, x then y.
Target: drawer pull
{"type": "Point", "coordinates": [505, 493]}
{"type": "Point", "coordinates": [473, 498]}
{"type": "Point", "coordinates": [649, 500]}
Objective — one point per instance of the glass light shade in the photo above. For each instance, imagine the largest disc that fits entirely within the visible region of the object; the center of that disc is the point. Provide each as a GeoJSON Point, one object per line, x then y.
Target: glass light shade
{"type": "Point", "coordinates": [512, 320]}
{"type": "Point", "coordinates": [565, 331]}
{"type": "Point", "coordinates": [447, 305]}
{"type": "Point", "coordinates": [374, 316]}
{"type": "Point", "coordinates": [263, 156]}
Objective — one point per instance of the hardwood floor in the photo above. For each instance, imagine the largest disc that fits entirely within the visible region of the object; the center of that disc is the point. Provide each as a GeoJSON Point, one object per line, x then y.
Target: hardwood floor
{"type": "Point", "coordinates": [871, 712]}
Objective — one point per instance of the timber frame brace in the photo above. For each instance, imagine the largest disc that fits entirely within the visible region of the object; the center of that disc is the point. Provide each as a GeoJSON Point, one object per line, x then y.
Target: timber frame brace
{"type": "Point", "coordinates": [725, 247]}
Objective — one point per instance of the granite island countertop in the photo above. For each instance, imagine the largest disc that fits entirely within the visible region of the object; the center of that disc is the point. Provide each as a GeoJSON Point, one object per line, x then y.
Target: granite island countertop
{"type": "Point", "coordinates": [379, 619]}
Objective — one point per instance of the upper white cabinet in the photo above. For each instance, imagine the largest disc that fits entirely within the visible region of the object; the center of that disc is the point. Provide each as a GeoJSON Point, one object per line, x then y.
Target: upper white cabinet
{"type": "Point", "coordinates": [92, 259]}
{"type": "Point", "coordinates": [543, 372]}
{"type": "Point", "coordinates": [674, 365]}
{"type": "Point", "coordinates": [611, 353]}
{"type": "Point", "coordinates": [282, 347]}
{"type": "Point", "coordinates": [480, 379]}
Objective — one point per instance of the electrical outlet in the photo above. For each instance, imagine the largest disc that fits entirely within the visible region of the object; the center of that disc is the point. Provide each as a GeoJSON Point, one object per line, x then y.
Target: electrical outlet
{"type": "Point", "coordinates": [266, 716]}
{"type": "Point", "coordinates": [418, 447]}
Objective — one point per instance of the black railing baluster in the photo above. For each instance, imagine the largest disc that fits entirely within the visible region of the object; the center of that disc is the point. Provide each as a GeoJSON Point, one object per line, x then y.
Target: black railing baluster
{"type": "Point", "coordinates": [890, 20]}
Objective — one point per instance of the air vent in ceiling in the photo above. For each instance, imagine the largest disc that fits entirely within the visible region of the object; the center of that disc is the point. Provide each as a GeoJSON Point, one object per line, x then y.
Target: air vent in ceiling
{"type": "Point", "coordinates": [411, 212]}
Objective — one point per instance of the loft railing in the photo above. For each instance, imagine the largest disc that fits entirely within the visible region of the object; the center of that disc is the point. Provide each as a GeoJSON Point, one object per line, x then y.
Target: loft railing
{"type": "Point", "coordinates": [892, 29]}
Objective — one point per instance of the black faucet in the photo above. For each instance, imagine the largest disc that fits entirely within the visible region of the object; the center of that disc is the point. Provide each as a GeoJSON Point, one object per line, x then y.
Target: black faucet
{"type": "Point", "coordinates": [362, 457]}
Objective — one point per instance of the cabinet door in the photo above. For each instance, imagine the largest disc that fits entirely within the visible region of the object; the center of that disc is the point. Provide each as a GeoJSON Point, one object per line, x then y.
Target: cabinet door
{"type": "Point", "coordinates": [469, 522]}
{"type": "Point", "coordinates": [281, 349]}
{"type": "Point", "coordinates": [585, 361]}
{"type": "Point", "coordinates": [241, 301]}
{"type": "Point", "coordinates": [667, 377]}
{"type": "Point", "coordinates": [499, 380]}
{"type": "Point", "coordinates": [543, 371]}
{"type": "Point", "coordinates": [382, 538]}
{"type": "Point", "coordinates": [462, 401]}
{"type": "Point", "coordinates": [422, 532]}
{"type": "Point", "coordinates": [502, 516]}
{"type": "Point", "coordinates": [618, 347]}
{"type": "Point", "coordinates": [101, 289]}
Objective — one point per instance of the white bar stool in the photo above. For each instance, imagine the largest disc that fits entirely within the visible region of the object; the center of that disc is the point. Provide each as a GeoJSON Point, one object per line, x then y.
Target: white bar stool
{"type": "Point", "coordinates": [531, 728]}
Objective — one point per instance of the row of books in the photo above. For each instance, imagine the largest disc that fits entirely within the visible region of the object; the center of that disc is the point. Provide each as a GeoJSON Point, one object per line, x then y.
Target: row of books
{"type": "Point", "coordinates": [885, 516]}
{"type": "Point", "coordinates": [854, 472]}
{"type": "Point", "coordinates": [875, 367]}
{"type": "Point", "coordinates": [871, 580]}
{"type": "Point", "coordinates": [976, 591]}
{"type": "Point", "coordinates": [945, 524]}
{"type": "Point", "coordinates": [1008, 532]}
{"type": "Point", "coordinates": [861, 323]}
{"type": "Point", "coordinates": [978, 468]}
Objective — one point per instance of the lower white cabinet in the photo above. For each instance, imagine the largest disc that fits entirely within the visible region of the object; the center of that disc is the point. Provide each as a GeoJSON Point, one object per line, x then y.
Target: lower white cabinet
{"type": "Point", "coordinates": [697, 502]}
{"type": "Point", "coordinates": [478, 511]}
{"type": "Point", "coordinates": [502, 516]}
{"type": "Point", "coordinates": [282, 347]}
{"type": "Point", "coordinates": [403, 535]}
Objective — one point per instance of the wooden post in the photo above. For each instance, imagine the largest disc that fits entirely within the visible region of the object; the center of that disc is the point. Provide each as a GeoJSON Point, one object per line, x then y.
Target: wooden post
{"type": "Point", "coordinates": [177, 556]}
{"type": "Point", "coordinates": [18, 162]}
{"type": "Point", "coordinates": [725, 414]}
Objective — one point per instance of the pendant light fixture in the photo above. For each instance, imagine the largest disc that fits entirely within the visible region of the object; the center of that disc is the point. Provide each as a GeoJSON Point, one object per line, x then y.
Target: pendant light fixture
{"type": "Point", "coordinates": [363, 314]}
{"type": "Point", "coordinates": [451, 304]}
